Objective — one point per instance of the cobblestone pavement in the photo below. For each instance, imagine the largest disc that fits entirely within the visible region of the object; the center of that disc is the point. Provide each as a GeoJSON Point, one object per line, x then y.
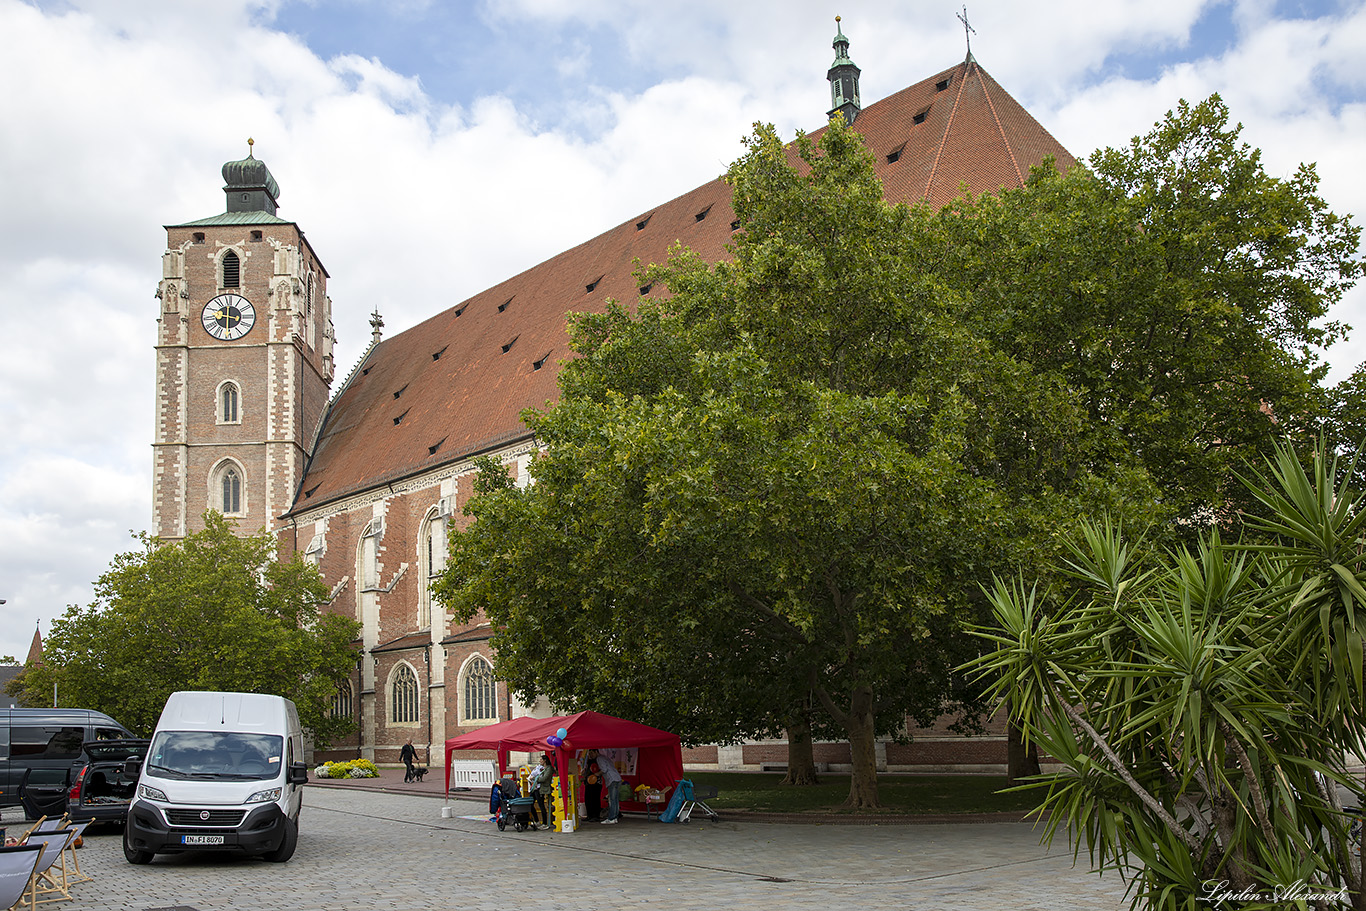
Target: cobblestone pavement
{"type": "Point", "coordinates": [387, 851]}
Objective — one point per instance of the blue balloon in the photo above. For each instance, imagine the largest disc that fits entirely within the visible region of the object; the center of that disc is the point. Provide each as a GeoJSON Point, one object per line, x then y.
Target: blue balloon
{"type": "Point", "coordinates": [562, 733]}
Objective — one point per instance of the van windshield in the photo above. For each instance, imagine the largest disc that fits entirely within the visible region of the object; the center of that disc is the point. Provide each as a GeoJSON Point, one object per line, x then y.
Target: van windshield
{"type": "Point", "coordinates": [209, 754]}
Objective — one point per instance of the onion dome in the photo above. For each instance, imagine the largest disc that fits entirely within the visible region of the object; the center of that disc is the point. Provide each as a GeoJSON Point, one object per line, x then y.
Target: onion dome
{"type": "Point", "coordinates": [249, 185]}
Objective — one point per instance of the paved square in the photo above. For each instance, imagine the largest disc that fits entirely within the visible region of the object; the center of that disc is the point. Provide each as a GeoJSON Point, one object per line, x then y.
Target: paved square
{"type": "Point", "coordinates": [372, 850]}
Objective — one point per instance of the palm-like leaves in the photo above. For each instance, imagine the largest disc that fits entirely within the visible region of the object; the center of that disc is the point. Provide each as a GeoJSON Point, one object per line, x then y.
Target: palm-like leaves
{"type": "Point", "coordinates": [1200, 703]}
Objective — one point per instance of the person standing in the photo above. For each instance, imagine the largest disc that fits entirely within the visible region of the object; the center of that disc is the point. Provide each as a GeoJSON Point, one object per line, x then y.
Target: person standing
{"type": "Point", "coordinates": [542, 785]}
{"type": "Point", "coordinates": [592, 786]}
{"type": "Point", "coordinates": [408, 754]}
{"type": "Point", "coordinates": [611, 780]}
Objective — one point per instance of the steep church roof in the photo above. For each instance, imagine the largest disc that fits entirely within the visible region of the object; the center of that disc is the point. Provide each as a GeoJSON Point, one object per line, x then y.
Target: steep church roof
{"type": "Point", "coordinates": [454, 386]}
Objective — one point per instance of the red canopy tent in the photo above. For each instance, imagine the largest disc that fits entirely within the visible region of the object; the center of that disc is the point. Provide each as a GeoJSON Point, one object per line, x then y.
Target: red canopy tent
{"type": "Point", "coordinates": [659, 754]}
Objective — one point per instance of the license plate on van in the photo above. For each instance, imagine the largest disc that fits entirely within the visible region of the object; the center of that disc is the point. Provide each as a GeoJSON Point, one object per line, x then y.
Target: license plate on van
{"type": "Point", "coordinates": [201, 839]}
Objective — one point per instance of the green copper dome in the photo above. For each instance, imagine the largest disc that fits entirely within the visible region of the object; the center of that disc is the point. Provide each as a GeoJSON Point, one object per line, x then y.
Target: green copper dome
{"type": "Point", "coordinates": [249, 185]}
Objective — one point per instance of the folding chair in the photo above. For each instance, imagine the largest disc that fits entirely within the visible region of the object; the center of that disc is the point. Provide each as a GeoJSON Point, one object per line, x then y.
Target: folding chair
{"type": "Point", "coordinates": [47, 886]}
{"type": "Point", "coordinates": [18, 867]}
{"type": "Point", "coordinates": [74, 875]}
{"type": "Point", "coordinates": [52, 824]}
{"type": "Point", "coordinates": [30, 830]}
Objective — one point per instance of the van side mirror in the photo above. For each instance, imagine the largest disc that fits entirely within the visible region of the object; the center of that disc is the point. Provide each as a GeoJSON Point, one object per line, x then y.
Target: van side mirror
{"type": "Point", "coordinates": [132, 766]}
{"type": "Point", "coordinates": [298, 774]}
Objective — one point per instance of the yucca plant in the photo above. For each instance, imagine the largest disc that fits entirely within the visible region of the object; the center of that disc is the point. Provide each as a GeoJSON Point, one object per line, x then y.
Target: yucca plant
{"type": "Point", "coordinates": [1200, 706]}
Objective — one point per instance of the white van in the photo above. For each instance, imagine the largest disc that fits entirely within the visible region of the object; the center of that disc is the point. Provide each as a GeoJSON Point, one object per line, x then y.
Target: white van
{"type": "Point", "coordinates": [224, 773]}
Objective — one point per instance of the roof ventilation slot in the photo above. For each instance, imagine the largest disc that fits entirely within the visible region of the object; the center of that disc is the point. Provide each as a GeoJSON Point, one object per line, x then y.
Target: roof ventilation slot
{"type": "Point", "coordinates": [645, 289]}
{"type": "Point", "coordinates": [400, 392]}
{"type": "Point", "coordinates": [399, 420]}
{"type": "Point", "coordinates": [701, 215]}
{"type": "Point", "coordinates": [895, 154]}
{"type": "Point", "coordinates": [436, 355]}
{"type": "Point", "coordinates": [461, 309]}
{"type": "Point", "coordinates": [640, 225]}
{"type": "Point", "coordinates": [508, 346]}
{"type": "Point", "coordinates": [537, 365]}
{"type": "Point", "coordinates": [431, 450]}
{"type": "Point", "coordinates": [504, 305]}
{"type": "Point", "coordinates": [591, 286]}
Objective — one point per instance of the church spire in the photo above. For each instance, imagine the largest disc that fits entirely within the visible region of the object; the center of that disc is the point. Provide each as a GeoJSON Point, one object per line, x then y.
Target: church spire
{"type": "Point", "coordinates": [843, 76]}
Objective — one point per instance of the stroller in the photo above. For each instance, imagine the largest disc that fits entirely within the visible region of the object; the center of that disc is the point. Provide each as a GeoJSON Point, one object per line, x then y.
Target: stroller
{"type": "Point", "coordinates": [507, 803]}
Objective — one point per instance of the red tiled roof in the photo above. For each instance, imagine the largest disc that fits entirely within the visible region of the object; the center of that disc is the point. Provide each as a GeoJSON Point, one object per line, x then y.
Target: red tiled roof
{"type": "Point", "coordinates": [455, 385]}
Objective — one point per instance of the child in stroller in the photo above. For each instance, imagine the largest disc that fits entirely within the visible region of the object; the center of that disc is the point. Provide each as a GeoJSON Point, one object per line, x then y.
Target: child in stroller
{"type": "Point", "coordinates": [507, 803]}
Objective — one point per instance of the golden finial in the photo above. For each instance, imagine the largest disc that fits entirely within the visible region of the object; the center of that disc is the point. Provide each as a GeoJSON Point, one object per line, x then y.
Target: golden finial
{"type": "Point", "coordinates": [250, 142]}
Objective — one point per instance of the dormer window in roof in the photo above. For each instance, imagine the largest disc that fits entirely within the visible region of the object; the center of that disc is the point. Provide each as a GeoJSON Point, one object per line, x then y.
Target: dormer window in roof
{"type": "Point", "coordinates": [399, 420]}
{"type": "Point", "coordinates": [921, 115]}
{"type": "Point", "coordinates": [895, 154]}
{"type": "Point", "coordinates": [640, 225]}
{"type": "Point", "coordinates": [431, 450]}
{"type": "Point", "coordinates": [592, 286]}
{"type": "Point", "coordinates": [436, 355]}
{"type": "Point", "coordinates": [701, 215]}
{"type": "Point", "coordinates": [504, 305]}
{"type": "Point", "coordinates": [735, 225]}
{"type": "Point", "coordinates": [508, 346]}
{"type": "Point", "coordinates": [461, 309]}
{"type": "Point", "coordinates": [311, 491]}
{"type": "Point", "coordinates": [537, 365]}
{"type": "Point", "coordinates": [941, 85]}
{"type": "Point", "coordinates": [400, 392]}
{"type": "Point", "coordinates": [645, 289]}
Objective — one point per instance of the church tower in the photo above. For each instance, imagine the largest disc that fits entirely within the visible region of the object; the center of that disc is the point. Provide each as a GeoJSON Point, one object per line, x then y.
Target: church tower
{"type": "Point", "coordinates": [843, 75]}
{"type": "Point", "coordinates": [243, 360]}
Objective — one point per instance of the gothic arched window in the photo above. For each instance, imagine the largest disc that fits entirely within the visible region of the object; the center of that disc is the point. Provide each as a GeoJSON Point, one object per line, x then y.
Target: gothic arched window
{"type": "Point", "coordinates": [231, 485]}
{"type": "Point", "coordinates": [480, 691]}
{"type": "Point", "coordinates": [429, 559]}
{"type": "Point", "coordinates": [227, 403]}
{"type": "Point", "coordinates": [341, 700]}
{"type": "Point", "coordinates": [403, 696]}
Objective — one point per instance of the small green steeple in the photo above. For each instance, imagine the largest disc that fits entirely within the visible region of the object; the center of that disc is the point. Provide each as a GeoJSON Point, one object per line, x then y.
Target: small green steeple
{"type": "Point", "coordinates": [249, 184]}
{"type": "Point", "coordinates": [843, 76]}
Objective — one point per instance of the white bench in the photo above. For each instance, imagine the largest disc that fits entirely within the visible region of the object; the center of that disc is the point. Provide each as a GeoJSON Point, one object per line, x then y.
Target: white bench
{"type": "Point", "coordinates": [473, 773]}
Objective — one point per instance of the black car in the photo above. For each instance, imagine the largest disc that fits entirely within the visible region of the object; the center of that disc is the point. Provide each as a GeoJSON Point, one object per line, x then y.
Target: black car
{"type": "Point", "coordinates": [103, 787]}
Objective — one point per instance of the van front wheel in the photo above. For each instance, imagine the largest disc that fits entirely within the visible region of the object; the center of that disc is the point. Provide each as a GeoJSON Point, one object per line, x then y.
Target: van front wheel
{"type": "Point", "coordinates": [133, 855]}
{"type": "Point", "coordinates": [287, 844]}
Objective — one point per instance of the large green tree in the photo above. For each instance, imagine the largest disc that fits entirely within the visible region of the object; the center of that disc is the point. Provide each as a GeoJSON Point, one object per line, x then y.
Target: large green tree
{"type": "Point", "coordinates": [1203, 702]}
{"type": "Point", "coordinates": [213, 611]}
{"type": "Point", "coordinates": [788, 468]}
{"type": "Point", "coordinates": [1179, 291]}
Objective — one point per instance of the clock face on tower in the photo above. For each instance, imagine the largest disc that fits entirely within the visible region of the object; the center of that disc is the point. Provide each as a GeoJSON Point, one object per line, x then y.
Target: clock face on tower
{"type": "Point", "coordinates": [229, 316]}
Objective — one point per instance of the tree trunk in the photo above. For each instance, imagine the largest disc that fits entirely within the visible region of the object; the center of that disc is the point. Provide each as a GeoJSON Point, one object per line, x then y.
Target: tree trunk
{"type": "Point", "coordinates": [1022, 759]}
{"type": "Point", "coordinates": [862, 751]}
{"type": "Point", "coordinates": [801, 760]}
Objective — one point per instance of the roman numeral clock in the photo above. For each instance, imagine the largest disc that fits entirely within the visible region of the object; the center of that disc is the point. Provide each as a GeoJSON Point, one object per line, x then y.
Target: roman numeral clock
{"type": "Point", "coordinates": [228, 317]}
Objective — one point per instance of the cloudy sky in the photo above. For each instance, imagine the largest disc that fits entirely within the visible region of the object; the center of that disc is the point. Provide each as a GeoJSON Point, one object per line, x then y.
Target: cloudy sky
{"type": "Point", "coordinates": [432, 148]}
